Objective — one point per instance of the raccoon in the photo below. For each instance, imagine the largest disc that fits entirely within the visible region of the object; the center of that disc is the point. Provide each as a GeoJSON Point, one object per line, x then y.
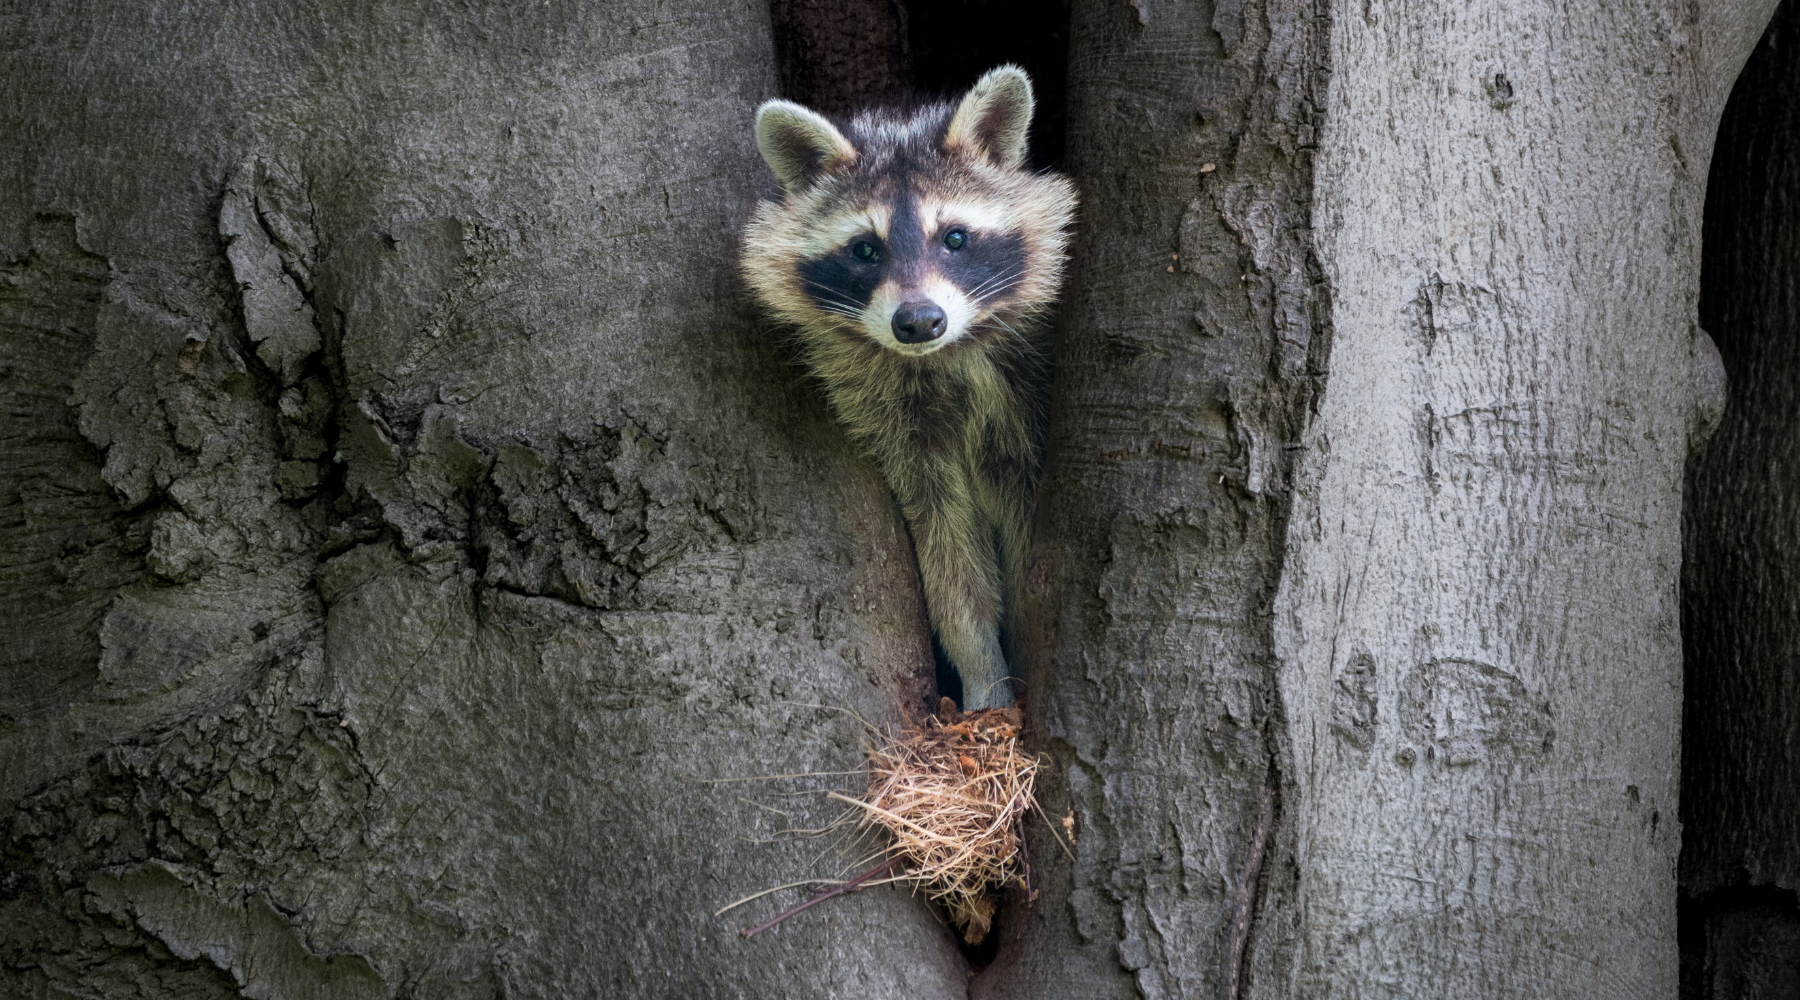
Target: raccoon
{"type": "Point", "coordinates": [917, 257]}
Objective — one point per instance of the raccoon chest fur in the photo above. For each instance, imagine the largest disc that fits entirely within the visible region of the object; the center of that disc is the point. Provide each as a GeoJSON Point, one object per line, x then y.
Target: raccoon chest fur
{"type": "Point", "coordinates": [916, 260]}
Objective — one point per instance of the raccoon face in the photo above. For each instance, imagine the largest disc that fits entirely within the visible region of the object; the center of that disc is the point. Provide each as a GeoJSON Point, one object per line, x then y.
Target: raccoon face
{"type": "Point", "coordinates": [919, 274]}
{"type": "Point", "coordinates": [913, 232]}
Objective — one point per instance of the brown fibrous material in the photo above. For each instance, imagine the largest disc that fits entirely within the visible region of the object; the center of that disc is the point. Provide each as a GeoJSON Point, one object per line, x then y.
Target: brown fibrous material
{"type": "Point", "coordinates": [953, 790]}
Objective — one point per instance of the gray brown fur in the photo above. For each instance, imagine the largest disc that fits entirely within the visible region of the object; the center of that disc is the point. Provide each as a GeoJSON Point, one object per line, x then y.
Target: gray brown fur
{"type": "Point", "coordinates": [955, 423]}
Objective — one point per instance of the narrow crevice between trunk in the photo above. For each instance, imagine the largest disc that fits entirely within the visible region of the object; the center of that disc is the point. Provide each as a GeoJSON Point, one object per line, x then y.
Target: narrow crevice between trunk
{"type": "Point", "coordinates": [1740, 793]}
{"type": "Point", "coordinates": [839, 57]}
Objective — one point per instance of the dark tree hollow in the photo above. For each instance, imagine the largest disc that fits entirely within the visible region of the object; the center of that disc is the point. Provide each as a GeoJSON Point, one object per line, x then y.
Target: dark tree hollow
{"type": "Point", "coordinates": [1740, 800]}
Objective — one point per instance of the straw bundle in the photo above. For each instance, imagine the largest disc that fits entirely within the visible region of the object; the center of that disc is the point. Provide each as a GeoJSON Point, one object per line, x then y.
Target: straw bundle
{"type": "Point", "coordinates": [953, 791]}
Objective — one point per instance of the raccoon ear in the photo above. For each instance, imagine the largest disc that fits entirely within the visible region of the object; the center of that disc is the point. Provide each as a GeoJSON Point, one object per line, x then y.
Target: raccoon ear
{"type": "Point", "coordinates": [993, 117]}
{"type": "Point", "coordinates": [799, 144]}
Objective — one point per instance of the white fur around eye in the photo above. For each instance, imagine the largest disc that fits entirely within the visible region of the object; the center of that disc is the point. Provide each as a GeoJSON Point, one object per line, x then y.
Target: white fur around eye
{"type": "Point", "coordinates": [833, 233]}
{"type": "Point", "coordinates": [979, 216]}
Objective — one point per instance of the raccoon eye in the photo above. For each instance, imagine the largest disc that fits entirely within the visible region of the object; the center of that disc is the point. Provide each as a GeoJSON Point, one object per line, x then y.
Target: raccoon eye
{"type": "Point", "coordinates": [955, 239]}
{"type": "Point", "coordinates": [864, 251]}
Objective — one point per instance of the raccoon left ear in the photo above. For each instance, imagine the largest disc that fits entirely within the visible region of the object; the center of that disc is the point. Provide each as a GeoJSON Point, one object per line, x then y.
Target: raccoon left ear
{"type": "Point", "coordinates": [799, 144]}
{"type": "Point", "coordinates": [992, 118]}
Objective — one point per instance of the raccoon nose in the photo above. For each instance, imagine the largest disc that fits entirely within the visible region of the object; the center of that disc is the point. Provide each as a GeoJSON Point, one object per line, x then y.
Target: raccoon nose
{"type": "Point", "coordinates": [918, 322]}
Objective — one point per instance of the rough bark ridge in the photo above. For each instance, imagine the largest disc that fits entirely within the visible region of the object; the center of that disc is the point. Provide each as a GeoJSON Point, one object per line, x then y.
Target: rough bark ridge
{"type": "Point", "coordinates": [1479, 619]}
{"type": "Point", "coordinates": [1191, 337]}
{"type": "Point", "coordinates": [1740, 798]}
{"type": "Point", "coordinates": [401, 512]}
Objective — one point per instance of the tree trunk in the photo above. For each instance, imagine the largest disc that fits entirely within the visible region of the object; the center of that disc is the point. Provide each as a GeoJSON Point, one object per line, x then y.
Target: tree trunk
{"type": "Point", "coordinates": [1740, 802]}
{"type": "Point", "coordinates": [406, 520]}
{"type": "Point", "coordinates": [1443, 759]}
{"type": "Point", "coordinates": [1191, 343]}
{"type": "Point", "coordinates": [1478, 626]}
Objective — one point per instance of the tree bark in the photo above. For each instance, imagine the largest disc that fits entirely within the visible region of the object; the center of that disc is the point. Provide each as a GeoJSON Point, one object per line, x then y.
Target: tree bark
{"type": "Point", "coordinates": [1478, 626]}
{"type": "Point", "coordinates": [1191, 340]}
{"type": "Point", "coordinates": [407, 523]}
{"type": "Point", "coordinates": [1462, 706]}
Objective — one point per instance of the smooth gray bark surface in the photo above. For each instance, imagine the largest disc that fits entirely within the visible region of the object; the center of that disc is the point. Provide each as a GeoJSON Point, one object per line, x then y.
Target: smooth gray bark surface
{"type": "Point", "coordinates": [1479, 621]}
{"type": "Point", "coordinates": [404, 516]}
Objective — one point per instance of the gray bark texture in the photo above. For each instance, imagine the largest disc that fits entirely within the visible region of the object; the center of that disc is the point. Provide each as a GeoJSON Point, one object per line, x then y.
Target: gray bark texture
{"type": "Point", "coordinates": [1191, 336]}
{"type": "Point", "coordinates": [405, 520]}
{"type": "Point", "coordinates": [1478, 626]}
{"type": "Point", "coordinates": [1442, 647]}
{"type": "Point", "coordinates": [418, 559]}
{"type": "Point", "coordinates": [1740, 806]}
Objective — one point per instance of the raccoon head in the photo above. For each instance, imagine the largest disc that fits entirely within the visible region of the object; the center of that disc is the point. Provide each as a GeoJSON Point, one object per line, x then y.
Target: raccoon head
{"type": "Point", "coordinates": [914, 231]}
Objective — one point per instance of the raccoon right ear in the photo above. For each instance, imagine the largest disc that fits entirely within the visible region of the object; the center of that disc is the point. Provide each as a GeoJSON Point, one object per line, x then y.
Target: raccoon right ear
{"type": "Point", "coordinates": [799, 144]}
{"type": "Point", "coordinates": [993, 117]}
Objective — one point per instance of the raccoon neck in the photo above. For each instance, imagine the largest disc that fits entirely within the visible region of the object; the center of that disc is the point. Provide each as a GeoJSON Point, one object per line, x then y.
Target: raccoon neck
{"type": "Point", "coordinates": [896, 407]}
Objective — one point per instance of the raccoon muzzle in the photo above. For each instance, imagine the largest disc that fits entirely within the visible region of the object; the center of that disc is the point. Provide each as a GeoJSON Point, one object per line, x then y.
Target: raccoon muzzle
{"type": "Point", "coordinates": [918, 322]}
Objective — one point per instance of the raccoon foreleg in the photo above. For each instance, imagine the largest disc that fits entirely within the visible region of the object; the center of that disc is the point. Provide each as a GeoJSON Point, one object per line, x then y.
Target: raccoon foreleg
{"type": "Point", "coordinates": [955, 545]}
{"type": "Point", "coordinates": [1014, 507]}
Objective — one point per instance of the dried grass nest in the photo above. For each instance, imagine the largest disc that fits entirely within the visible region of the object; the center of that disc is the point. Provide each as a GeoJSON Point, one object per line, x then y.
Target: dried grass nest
{"type": "Point", "coordinates": [953, 791]}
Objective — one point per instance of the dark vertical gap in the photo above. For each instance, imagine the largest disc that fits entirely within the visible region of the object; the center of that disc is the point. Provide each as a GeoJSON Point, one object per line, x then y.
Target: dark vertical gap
{"type": "Point", "coordinates": [1739, 922]}
{"type": "Point", "coordinates": [953, 42]}
{"type": "Point", "coordinates": [949, 683]}
{"type": "Point", "coordinates": [840, 55]}
{"type": "Point", "coordinates": [837, 55]}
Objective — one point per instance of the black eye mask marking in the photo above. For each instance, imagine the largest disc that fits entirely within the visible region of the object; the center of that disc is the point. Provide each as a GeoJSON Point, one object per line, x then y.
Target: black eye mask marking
{"type": "Point", "coordinates": [841, 282]}
{"type": "Point", "coordinates": [988, 267]}
{"type": "Point", "coordinates": [985, 267]}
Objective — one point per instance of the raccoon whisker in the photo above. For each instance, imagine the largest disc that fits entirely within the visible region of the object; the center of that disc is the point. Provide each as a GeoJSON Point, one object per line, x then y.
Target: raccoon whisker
{"type": "Point", "coordinates": [832, 297]}
{"type": "Point", "coordinates": [840, 305]}
{"type": "Point", "coordinates": [998, 292]}
{"type": "Point", "coordinates": [839, 308]}
{"type": "Point", "coordinates": [978, 289]}
{"type": "Point", "coordinates": [1007, 276]}
{"type": "Point", "coordinates": [1024, 342]}
{"type": "Point", "coordinates": [981, 289]}
{"type": "Point", "coordinates": [995, 293]}
{"type": "Point", "coordinates": [987, 287]}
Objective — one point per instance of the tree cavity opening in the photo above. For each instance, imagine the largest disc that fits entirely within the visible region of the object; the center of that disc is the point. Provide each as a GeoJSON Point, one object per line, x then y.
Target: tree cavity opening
{"type": "Point", "coordinates": [836, 57]}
